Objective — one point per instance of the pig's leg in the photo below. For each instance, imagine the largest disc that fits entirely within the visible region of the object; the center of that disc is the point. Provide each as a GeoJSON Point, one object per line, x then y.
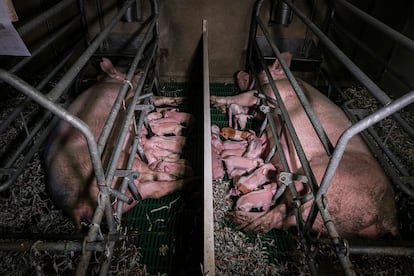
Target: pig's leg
{"type": "Point", "coordinates": [262, 222]}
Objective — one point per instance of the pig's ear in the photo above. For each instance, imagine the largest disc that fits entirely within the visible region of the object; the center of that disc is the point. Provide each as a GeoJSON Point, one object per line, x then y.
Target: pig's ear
{"type": "Point", "coordinates": [287, 57]}
{"type": "Point", "coordinates": [108, 68]}
{"type": "Point", "coordinates": [243, 80]}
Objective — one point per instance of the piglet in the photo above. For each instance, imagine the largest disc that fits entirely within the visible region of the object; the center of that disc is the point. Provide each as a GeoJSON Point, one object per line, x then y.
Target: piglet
{"type": "Point", "coordinates": [174, 144]}
{"type": "Point", "coordinates": [234, 134]}
{"type": "Point", "coordinates": [257, 178]}
{"type": "Point", "coordinates": [216, 143]}
{"type": "Point", "coordinates": [241, 163]}
{"type": "Point", "coordinates": [238, 115]}
{"type": "Point", "coordinates": [217, 166]}
{"type": "Point", "coordinates": [260, 199]}
{"type": "Point", "coordinates": [255, 147]}
{"type": "Point", "coordinates": [179, 168]}
{"type": "Point", "coordinates": [166, 128]}
{"type": "Point", "coordinates": [181, 117]}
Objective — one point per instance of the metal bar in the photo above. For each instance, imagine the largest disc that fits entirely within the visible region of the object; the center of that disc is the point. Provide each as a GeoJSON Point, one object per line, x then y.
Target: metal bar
{"type": "Point", "coordinates": [35, 22]}
{"type": "Point", "coordinates": [209, 261]}
{"type": "Point", "coordinates": [371, 53]}
{"type": "Point", "coordinates": [354, 130]}
{"type": "Point", "coordinates": [381, 250]}
{"type": "Point", "coordinates": [41, 99]}
{"type": "Point", "coordinates": [103, 201]}
{"type": "Point", "coordinates": [67, 79]}
{"type": "Point", "coordinates": [299, 93]}
{"type": "Point", "coordinates": [39, 87]}
{"type": "Point", "coordinates": [50, 39]}
{"type": "Point", "coordinates": [118, 102]}
{"type": "Point", "coordinates": [377, 92]}
{"type": "Point", "coordinates": [252, 33]}
{"type": "Point", "coordinates": [295, 139]}
{"type": "Point", "coordinates": [17, 171]}
{"type": "Point", "coordinates": [113, 163]}
{"type": "Point", "coordinates": [27, 140]}
{"type": "Point", "coordinates": [81, 270]}
{"type": "Point", "coordinates": [372, 21]}
{"type": "Point", "coordinates": [377, 247]}
{"type": "Point", "coordinates": [127, 123]}
{"type": "Point", "coordinates": [67, 246]}
{"type": "Point", "coordinates": [371, 139]}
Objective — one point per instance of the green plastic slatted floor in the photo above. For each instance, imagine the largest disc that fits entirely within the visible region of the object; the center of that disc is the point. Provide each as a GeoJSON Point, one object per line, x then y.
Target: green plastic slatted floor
{"type": "Point", "coordinates": [158, 221]}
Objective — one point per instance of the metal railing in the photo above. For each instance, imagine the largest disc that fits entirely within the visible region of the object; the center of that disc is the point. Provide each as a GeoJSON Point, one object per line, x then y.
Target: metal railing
{"type": "Point", "coordinates": [319, 190]}
{"type": "Point", "coordinates": [94, 241]}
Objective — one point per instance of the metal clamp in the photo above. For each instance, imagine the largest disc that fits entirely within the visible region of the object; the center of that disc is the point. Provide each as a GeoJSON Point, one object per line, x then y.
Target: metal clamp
{"type": "Point", "coordinates": [286, 179]}
{"type": "Point", "coordinates": [130, 175]}
{"type": "Point", "coordinates": [144, 107]}
{"type": "Point", "coordinates": [342, 248]}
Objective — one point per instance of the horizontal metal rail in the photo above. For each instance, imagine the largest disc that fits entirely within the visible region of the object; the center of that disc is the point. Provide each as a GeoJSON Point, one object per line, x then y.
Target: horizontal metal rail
{"type": "Point", "coordinates": [11, 169]}
{"type": "Point", "coordinates": [46, 43]}
{"type": "Point", "coordinates": [377, 92]}
{"type": "Point", "coordinates": [35, 22]}
{"type": "Point", "coordinates": [103, 177]}
{"type": "Point", "coordinates": [399, 38]}
{"type": "Point", "coordinates": [343, 32]}
{"type": "Point", "coordinates": [68, 78]}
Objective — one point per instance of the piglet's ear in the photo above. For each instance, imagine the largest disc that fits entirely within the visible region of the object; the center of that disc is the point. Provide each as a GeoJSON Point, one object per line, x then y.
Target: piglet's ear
{"type": "Point", "coordinates": [243, 80]}
{"type": "Point", "coordinates": [108, 68]}
{"type": "Point", "coordinates": [287, 57]}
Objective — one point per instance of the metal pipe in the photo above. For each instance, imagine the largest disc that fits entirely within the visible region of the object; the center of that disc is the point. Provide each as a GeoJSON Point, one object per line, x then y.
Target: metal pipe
{"type": "Point", "coordinates": [103, 201]}
{"type": "Point", "coordinates": [50, 39]}
{"type": "Point", "coordinates": [39, 87]}
{"type": "Point", "coordinates": [377, 92]}
{"type": "Point", "coordinates": [67, 246]}
{"type": "Point", "coordinates": [354, 130]}
{"type": "Point", "coordinates": [103, 138]}
{"type": "Point", "coordinates": [285, 115]}
{"type": "Point", "coordinates": [67, 79]}
{"type": "Point", "coordinates": [393, 34]}
{"type": "Point", "coordinates": [381, 250]}
{"type": "Point", "coordinates": [323, 137]}
{"type": "Point", "coordinates": [27, 140]}
{"type": "Point", "coordinates": [127, 123]}
{"type": "Point", "coordinates": [42, 100]}
{"type": "Point", "coordinates": [252, 34]}
{"type": "Point", "coordinates": [16, 172]}
{"type": "Point", "coordinates": [371, 53]}
{"type": "Point", "coordinates": [373, 139]}
{"type": "Point", "coordinates": [35, 22]}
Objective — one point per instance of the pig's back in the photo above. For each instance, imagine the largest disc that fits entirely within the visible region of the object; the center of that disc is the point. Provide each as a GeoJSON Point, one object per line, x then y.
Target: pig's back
{"type": "Point", "coordinates": [71, 180]}
{"type": "Point", "coordinates": [360, 198]}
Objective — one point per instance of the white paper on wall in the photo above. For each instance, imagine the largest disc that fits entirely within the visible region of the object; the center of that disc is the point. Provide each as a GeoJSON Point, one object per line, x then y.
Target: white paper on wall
{"type": "Point", "coordinates": [11, 43]}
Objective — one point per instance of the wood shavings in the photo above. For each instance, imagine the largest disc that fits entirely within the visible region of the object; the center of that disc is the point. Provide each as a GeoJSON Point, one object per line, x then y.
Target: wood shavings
{"type": "Point", "coordinates": [234, 253]}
